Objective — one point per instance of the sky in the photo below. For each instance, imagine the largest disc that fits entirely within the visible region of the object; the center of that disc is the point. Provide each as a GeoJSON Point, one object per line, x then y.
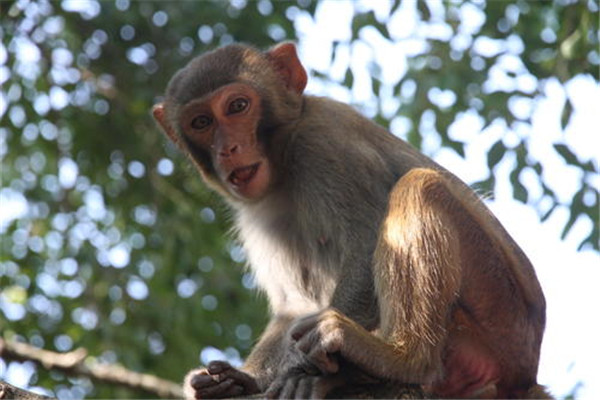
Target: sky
{"type": "Point", "coordinates": [570, 350]}
{"type": "Point", "coordinates": [569, 278]}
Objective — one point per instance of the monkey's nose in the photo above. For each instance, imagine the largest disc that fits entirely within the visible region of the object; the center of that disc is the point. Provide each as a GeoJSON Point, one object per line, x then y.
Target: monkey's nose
{"type": "Point", "coordinates": [229, 151]}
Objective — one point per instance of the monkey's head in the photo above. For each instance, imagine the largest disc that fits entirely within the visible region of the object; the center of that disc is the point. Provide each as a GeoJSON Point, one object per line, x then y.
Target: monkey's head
{"type": "Point", "coordinates": [223, 108]}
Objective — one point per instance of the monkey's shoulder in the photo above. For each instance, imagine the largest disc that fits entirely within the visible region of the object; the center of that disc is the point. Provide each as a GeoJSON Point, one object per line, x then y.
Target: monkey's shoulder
{"type": "Point", "coordinates": [328, 110]}
{"type": "Point", "coordinates": [336, 133]}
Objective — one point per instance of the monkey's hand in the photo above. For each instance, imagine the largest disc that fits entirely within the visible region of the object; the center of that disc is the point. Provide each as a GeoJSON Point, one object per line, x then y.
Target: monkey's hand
{"type": "Point", "coordinates": [218, 380]}
{"type": "Point", "coordinates": [296, 383]}
{"type": "Point", "coordinates": [324, 336]}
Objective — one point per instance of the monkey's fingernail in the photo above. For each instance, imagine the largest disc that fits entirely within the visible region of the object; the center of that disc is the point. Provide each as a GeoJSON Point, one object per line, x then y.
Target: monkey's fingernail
{"type": "Point", "coordinates": [214, 368]}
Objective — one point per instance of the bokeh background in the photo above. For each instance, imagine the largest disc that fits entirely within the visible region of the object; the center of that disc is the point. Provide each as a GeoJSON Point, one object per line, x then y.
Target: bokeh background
{"type": "Point", "coordinates": [110, 241]}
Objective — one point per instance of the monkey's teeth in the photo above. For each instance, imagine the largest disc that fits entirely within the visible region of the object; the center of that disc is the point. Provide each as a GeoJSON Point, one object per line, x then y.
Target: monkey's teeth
{"type": "Point", "coordinates": [243, 175]}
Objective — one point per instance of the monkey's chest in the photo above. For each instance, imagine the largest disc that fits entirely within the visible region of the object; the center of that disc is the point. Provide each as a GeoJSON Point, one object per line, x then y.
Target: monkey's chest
{"type": "Point", "coordinates": [296, 281]}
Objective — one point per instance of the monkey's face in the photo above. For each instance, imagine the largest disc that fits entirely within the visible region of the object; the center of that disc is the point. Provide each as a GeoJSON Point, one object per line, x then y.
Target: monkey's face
{"type": "Point", "coordinates": [219, 108]}
{"type": "Point", "coordinates": [224, 124]}
{"type": "Point", "coordinates": [219, 131]}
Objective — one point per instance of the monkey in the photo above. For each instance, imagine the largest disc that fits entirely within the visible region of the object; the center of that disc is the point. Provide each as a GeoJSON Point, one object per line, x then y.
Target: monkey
{"type": "Point", "coordinates": [378, 263]}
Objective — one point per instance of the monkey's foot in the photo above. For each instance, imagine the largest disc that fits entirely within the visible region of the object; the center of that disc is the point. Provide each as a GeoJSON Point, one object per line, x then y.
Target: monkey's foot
{"type": "Point", "coordinates": [297, 384]}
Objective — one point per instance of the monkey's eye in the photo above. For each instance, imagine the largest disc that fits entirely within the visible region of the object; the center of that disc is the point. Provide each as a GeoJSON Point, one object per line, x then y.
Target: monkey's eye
{"type": "Point", "coordinates": [201, 122]}
{"type": "Point", "coordinates": [238, 105]}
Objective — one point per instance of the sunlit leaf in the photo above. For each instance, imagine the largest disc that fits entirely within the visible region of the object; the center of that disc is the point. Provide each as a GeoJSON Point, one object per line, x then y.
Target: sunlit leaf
{"type": "Point", "coordinates": [495, 154]}
{"type": "Point", "coordinates": [519, 191]}
{"type": "Point", "coordinates": [567, 154]}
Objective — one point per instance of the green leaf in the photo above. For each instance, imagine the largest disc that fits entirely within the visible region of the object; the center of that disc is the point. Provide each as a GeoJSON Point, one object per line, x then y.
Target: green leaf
{"type": "Point", "coordinates": [519, 191]}
{"type": "Point", "coordinates": [567, 154]}
{"type": "Point", "coordinates": [458, 147]}
{"type": "Point", "coordinates": [566, 114]}
{"type": "Point", "coordinates": [376, 84]}
{"type": "Point", "coordinates": [592, 241]}
{"type": "Point", "coordinates": [424, 10]}
{"type": "Point", "coordinates": [547, 214]}
{"type": "Point", "coordinates": [349, 79]}
{"type": "Point", "coordinates": [568, 225]}
{"type": "Point", "coordinates": [368, 19]}
{"type": "Point", "coordinates": [590, 167]}
{"type": "Point", "coordinates": [495, 154]}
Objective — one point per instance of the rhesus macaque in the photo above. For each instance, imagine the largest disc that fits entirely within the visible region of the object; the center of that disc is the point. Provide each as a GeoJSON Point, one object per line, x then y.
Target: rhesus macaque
{"type": "Point", "coordinates": [377, 262]}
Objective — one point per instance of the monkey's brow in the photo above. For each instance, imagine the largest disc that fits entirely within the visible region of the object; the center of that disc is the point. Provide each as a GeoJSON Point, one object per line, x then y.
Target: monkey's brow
{"type": "Point", "coordinates": [196, 88]}
{"type": "Point", "coordinates": [206, 74]}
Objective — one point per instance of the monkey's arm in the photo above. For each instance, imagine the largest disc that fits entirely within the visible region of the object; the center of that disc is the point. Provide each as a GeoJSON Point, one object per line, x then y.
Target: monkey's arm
{"type": "Point", "coordinates": [267, 354]}
{"type": "Point", "coordinates": [220, 380]}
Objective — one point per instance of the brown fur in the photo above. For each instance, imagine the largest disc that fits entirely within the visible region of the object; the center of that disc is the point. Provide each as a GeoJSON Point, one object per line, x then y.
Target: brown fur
{"type": "Point", "coordinates": [370, 253]}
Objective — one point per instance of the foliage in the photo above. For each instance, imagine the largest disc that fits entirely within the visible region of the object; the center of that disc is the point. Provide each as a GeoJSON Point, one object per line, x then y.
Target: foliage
{"type": "Point", "coordinates": [109, 239]}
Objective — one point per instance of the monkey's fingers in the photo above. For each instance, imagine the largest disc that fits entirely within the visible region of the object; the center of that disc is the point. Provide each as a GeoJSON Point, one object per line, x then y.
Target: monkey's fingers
{"type": "Point", "coordinates": [304, 386]}
{"type": "Point", "coordinates": [290, 386]}
{"type": "Point", "coordinates": [303, 325]}
{"type": "Point", "coordinates": [311, 387]}
{"type": "Point", "coordinates": [325, 362]}
{"type": "Point", "coordinates": [241, 378]}
{"type": "Point", "coordinates": [218, 366]}
{"type": "Point", "coordinates": [296, 385]}
{"type": "Point", "coordinates": [320, 351]}
{"type": "Point", "coordinates": [274, 389]}
{"type": "Point", "coordinates": [283, 384]}
{"type": "Point", "coordinates": [226, 388]}
{"type": "Point", "coordinates": [322, 385]}
{"type": "Point", "coordinates": [202, 380]}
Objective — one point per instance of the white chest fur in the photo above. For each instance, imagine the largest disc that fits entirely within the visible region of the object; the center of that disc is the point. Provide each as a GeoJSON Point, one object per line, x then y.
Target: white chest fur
{"type": "Point", "coordinates": [285, 263]}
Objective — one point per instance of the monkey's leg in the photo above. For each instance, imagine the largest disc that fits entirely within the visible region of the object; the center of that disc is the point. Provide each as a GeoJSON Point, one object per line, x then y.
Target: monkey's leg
{"type": "Point", "coordinates": [464, 308]}
{"type": "Point", "coordinates": [417, 272]}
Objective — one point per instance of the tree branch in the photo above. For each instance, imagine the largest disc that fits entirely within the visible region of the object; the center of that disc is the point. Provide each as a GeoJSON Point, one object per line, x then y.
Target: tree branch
{"type": "Point", "coordinates": [77, 363]}
{"type": "Point", "coordinates": [8, 391]}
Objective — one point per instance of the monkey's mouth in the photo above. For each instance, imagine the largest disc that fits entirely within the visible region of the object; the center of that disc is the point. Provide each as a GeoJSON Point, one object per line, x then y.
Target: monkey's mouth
{"type": "Point", "coordinates": [242, 176]}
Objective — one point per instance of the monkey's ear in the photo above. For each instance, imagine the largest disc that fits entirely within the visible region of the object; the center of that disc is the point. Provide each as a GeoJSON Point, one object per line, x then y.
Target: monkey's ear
{"type": "Point", "coordinates": [286, 62]}
{"type": "Point", "coordinates": [158, 112]}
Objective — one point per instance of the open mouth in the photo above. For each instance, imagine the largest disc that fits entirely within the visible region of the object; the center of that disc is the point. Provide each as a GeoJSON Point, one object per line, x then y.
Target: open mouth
{"type": "Point", "coordinates": [241, 176]}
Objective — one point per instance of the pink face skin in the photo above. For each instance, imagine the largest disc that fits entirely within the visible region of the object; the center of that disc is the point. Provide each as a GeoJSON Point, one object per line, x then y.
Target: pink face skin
{"type": "Point", "coordinates": [225, 123]}
{"type": "Point", "coordinates": [249, 182]}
